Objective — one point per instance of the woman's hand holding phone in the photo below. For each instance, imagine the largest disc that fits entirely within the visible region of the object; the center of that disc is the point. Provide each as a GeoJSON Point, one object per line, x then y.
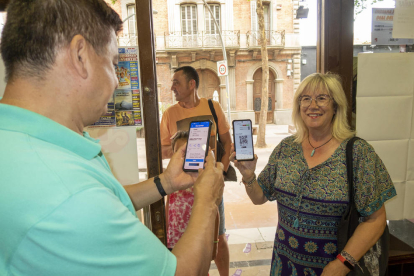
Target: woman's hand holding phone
{"type": "Point", "coordinates": [246, 168]}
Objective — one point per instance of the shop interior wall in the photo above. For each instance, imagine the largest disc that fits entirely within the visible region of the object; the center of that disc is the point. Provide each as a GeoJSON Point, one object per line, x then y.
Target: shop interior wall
{"type": "Point", "coordinates": [384, 117]}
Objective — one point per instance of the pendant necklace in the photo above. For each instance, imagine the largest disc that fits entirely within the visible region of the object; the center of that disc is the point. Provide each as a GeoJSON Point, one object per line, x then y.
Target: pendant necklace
{"type": "Point", "coordinates": [313, 151]}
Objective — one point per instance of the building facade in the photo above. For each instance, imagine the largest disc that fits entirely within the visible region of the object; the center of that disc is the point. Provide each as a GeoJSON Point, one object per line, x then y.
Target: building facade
{"type": "Point", "coordinates": [186, 34]}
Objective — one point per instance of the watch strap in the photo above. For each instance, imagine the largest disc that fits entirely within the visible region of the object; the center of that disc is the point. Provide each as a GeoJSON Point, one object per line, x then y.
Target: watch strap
{"type": "Point", "coordinates": [345, 262]}
{"type": "Point", "coordinates": [157, 182]}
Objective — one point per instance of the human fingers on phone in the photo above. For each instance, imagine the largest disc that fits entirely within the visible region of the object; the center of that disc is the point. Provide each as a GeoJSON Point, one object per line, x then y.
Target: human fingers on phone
{"type": "Point", "coordinates": [210, 160]}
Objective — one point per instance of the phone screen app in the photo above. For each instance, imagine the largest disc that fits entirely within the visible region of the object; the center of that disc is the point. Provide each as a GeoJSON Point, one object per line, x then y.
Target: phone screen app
{"type": "Point", "coordinates": [243, 140]}
{"type": "Point", "coordinates": [196, 145]}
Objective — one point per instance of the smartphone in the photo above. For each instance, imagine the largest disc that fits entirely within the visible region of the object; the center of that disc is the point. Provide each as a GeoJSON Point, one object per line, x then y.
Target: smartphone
{"type": "Point", "coordinates": [243, 140]}
{"type": "Point", "coordinates": [197, 145]}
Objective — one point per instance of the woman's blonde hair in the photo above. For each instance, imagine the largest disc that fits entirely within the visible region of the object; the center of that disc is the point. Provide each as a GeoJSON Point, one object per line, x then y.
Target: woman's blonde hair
{"type": "Point", "coordinates": [330, 84]}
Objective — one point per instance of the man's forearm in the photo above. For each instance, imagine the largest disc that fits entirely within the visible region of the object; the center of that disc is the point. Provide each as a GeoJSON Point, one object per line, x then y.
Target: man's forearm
{"type": "Point", "coordinates": [146, 192]}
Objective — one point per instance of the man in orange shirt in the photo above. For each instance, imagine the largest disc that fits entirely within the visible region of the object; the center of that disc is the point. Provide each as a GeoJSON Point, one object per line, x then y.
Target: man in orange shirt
{"type": "Point", "coordinates": [191, 107]}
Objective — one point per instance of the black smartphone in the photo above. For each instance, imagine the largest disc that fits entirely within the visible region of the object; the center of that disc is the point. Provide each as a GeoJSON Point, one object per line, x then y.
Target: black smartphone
{"type": "Point", "coordinates": [243, 140]}
{"type": "Point", "coordinates": [197, 145]}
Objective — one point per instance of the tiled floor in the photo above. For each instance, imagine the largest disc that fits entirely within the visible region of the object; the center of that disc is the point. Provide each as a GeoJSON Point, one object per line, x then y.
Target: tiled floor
{"type": "Point", "coordinates": [253, 262]}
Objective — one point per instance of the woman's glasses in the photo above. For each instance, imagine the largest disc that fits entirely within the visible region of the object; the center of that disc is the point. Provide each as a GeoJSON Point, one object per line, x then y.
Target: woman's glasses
{"type": "Point", "coordinates": [320, 100]}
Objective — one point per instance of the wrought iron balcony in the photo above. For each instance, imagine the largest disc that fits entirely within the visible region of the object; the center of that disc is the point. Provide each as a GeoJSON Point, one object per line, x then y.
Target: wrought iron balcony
{"type": "Point", "coordinates": [274, 39]}
{"type": "Point", "coordinates": [181, 40]}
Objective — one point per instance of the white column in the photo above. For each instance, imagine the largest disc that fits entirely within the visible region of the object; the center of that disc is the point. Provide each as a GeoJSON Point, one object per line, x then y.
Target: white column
{"type": "Point", "coordinates": [279, 94]}
{"type": "Point", "coordinates": [229, 15]}
{"type": "Point", "coordinates": [224, 14]}
{"type": "Point", "coordinates": [232, 88]}
{"type": "Point", "coordinates": [296, 72]}
{"type": "Point", "coordinates": [249, 84]}
{"type": "Point", "coordinates": [200, 18]}
{"type": "Point", "coordinates": [176, 18]}
{"type": "Point", "coordinates": [273, 15]}
{"type": "Point", "coordinates": [171, 11]}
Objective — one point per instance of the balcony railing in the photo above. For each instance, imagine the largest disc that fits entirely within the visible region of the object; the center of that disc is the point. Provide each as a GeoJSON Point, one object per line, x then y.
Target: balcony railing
{"type": "Point", "coordinates": [129, 39]}
{"type": "Point", "coordinates": [273, 38]}
{"type": "Point", "coordinates": [174, 40]}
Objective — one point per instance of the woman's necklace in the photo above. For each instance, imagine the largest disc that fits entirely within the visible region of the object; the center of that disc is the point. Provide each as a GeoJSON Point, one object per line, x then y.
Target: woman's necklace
{"type": "Point", "coordinates": [313, 151]}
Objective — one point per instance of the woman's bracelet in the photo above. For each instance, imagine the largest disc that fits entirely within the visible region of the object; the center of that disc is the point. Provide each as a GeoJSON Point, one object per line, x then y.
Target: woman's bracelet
{"type": "Point", "coordinates": [250, 183]}
{"type": "Point", "coordinates": [345, 262]}
{"type": "Point", "coordinates": [349, 258]}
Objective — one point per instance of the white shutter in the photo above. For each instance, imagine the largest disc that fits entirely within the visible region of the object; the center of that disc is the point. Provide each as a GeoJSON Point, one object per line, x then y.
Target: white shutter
{"type": "Point", "coordinates": [210, 27]}
{"type": "Point", "coordinates": [254, 15]}
{"type": "Point", "coordinates": [266, 17]}
{"type": "Point", "coordinates": [131, 20]}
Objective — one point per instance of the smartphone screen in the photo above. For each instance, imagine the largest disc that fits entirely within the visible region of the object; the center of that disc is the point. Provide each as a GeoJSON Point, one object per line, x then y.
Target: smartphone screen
{"type": "Point", "coordinates": [243, 139]}
{"type": "Point", "coordinates": [197, 145]}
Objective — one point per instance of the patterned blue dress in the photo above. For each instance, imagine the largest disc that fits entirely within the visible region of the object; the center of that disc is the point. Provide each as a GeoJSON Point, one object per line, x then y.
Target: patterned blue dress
{"type": "Point", "coordinates": [311, 202]}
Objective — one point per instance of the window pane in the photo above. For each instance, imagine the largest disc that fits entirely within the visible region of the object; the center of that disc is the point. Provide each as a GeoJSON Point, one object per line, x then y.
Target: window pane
{"type": "Point", "coordinates": [210, 25]}
{"type": "Point", "coordinates": [194, 19]}
{"type": "Point", "coordinates": [131, 21]}
{"type": "Point", "coordinates": [188, 19]}
{"type": "Point", "coordinates": [183, 24]}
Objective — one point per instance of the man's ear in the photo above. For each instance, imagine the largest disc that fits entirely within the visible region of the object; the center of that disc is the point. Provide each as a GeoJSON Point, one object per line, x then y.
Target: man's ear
{"type": "Point", "coordinates": [79, 55]}
{"type": "Point", "coordinates": [192, 84]}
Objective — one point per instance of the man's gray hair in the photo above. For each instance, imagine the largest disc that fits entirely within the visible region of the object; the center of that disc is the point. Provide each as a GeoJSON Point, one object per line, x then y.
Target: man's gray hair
{"type": "Point", "coordinates": [36, 29]}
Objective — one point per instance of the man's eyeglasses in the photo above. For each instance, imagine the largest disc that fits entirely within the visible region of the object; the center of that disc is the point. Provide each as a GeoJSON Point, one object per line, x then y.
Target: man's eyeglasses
{"type": "Point", "coordinates": [320, 100]}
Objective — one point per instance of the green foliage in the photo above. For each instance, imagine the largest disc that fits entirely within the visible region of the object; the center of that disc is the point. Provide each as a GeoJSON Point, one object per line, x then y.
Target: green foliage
{"type": "Point", "coordinates": [360, 5]}
{"type": "Point", "coordinates": [114, 1]}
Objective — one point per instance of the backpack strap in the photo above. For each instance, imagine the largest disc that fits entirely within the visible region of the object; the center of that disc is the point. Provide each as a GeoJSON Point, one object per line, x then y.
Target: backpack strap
{"type": "Point", "coordinates": [213, 112]}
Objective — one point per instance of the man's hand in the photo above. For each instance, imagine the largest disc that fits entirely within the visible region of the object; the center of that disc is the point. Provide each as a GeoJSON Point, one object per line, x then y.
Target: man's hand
{"type": "Point", "coordinates": [174, 176]}
{"type": "Point", "coordinates": [246, 168]}
{"type": "Point", "coordinates": [210, 182]}
{"type": "Point", "coordinates": [336, 268]}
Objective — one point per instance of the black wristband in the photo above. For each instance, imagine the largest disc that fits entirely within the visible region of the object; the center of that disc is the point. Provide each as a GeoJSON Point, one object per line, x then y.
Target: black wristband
{"type": "Point", "coordinates": [348, 265]}
{"type": "Point", "coordinates": [159, 186]}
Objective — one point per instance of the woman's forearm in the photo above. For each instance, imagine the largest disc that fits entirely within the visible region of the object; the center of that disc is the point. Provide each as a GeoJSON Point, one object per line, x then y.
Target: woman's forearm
{"type": "Point", "coordinates": [255, 193]}
{"type": "Point", "coordinates": [366, 234]}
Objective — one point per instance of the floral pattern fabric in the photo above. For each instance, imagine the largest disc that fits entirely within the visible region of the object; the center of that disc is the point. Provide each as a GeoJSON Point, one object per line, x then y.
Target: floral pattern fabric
{"type": "Point", "coordinates": [311, 202]}
{"type": "Point", "coordinates": [179, 212]}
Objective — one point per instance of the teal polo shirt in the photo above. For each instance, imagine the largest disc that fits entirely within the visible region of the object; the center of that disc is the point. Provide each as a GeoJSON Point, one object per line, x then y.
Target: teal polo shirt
{"type": "Point", "coordinates": [62, 212]}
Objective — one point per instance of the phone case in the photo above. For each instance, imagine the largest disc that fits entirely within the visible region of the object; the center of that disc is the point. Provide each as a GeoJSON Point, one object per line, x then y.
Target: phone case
{"type": "Point", "coordinates": [207, 147]}
{"type": "Point", "coordinates": [234, 138]}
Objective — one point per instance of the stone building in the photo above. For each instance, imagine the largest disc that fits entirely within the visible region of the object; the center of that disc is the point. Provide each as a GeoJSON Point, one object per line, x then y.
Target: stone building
{"type": "Point", "coordinates": [186, 35]}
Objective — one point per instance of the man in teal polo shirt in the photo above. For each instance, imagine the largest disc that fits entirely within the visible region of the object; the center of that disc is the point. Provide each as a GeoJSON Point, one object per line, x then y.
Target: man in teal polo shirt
{"type": "Point", "coordinates": [62, 212]}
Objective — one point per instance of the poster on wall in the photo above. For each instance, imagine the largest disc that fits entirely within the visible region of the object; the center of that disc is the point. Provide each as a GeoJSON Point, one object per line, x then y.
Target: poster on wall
{"type": "Point", "coordinates": [404, 19]}
{"type": "Point", "coordinates": [382, 28]}
{"type": "Point", "coordinates": [124, 108]}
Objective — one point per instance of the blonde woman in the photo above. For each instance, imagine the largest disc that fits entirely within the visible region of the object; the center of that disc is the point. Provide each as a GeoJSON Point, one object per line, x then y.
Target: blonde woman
{"type": "Point", "coordinates": [306, 175]}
